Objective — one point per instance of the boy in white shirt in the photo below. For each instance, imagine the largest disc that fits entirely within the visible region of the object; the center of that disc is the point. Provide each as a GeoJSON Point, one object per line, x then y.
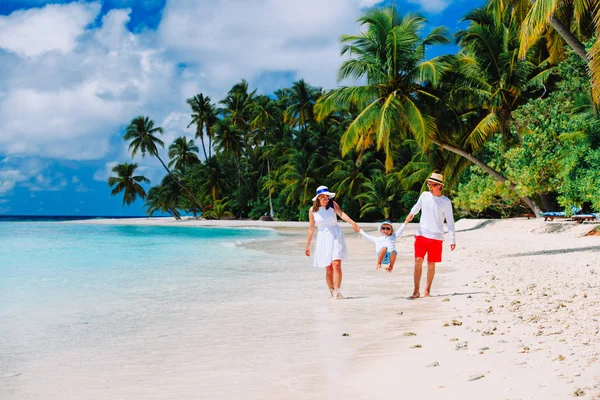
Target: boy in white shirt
{"type": "Point", "coordinates": [385, 245]}
{"type": "Point", "coordinates": [434, 208]}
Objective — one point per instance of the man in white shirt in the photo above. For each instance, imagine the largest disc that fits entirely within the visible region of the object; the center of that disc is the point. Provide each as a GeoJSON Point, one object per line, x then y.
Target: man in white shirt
{"type": "Point", "coordinates": [434, 209]}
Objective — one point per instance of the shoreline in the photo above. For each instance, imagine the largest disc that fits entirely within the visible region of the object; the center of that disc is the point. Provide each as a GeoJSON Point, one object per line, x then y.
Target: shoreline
{"type": "Point", "coordinates": [490, 325]}
{"type": "Point", "coordinates": [514, 313]}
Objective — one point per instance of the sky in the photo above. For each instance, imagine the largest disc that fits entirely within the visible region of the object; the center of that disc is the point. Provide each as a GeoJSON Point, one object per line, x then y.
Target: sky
{"type": "Point", "coordinates": [74, 74]}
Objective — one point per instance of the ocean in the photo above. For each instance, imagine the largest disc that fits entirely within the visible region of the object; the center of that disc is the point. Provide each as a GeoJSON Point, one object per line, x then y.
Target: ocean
{"type": "Point", "coordinates": [101, 311]}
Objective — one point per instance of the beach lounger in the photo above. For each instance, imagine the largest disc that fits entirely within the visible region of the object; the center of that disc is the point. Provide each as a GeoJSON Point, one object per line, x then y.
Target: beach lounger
{"type": "Point", "coordinates": [579, 218]}
{"type": "Point", "coordinates": [550, 215]}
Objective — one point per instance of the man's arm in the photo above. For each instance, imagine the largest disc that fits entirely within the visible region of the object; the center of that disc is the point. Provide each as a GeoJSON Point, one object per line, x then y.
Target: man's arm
{"type": "Point", "coordinates": [416, 208]}
{"type": "Point", "coordinates": [450, 222]}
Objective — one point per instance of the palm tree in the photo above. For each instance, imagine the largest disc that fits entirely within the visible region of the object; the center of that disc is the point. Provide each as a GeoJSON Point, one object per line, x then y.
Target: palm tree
{"type": "Point", "coordinates": [164, 198]}
{"type": "Point", "coordinates": [266, 113]}
{"type": "Point", "coordinates": [583, 16]}
{"type": "Point", "coordinates": [141, 132]}
{"type": "Point", "coordinates": [218, 210]}
{"type": "Point", "coordinates": [204, 116]}
{"type": "Point", "coordinates": [212, 178]}
{"type": "Point", "coordinates": [378, 195]}
{"type": "Point", "coordinates": [238, 105]}
{"type": "Point", "coordinates": [494, 78]}
{"type": "Point", "coordinates": [299, 177]}
{"type": "Point", "coordinates": [302, 97]}
{"type": "Point", "coordinates": [487, 83]}
{"type": "Point", "coordinates": [350, 175]}
{"type": "Point", "coordinates": [390, 56]}
{"type": "Point", "coordinates": [183, 153]}
{"type": "Point", "coordinates": [127, 183]}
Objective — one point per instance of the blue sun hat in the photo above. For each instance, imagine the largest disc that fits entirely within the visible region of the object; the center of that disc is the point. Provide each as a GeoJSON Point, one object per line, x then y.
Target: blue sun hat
{"type": "Point", "coordinates": [323, 190]}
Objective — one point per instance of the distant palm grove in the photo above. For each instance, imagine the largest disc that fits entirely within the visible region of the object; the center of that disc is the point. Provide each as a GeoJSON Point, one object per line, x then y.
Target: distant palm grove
{"type": "Point", "coordinates": [511, 121]}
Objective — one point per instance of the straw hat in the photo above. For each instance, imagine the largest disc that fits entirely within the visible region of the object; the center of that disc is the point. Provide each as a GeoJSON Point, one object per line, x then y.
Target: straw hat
{"type": "Point", "coordinates": [323, 190]}
{"type": "Point", "coordinates": [437, 178]}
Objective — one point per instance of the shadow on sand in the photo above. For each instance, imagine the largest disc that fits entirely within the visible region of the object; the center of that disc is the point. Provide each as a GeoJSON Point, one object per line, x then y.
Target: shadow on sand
{"type": "Point", "coordinates": [480, 225]}
{"type": "Point", "coordinates": [552, 252]}
{"type": "Point", "coordinates": [440, 295]}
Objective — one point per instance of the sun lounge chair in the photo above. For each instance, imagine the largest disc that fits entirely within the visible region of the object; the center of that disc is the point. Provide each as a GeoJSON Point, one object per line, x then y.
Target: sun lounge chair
{"type": "Point", "coordinates": [579, 218]}
{"type": "Point", "coordinates": [550, 215]}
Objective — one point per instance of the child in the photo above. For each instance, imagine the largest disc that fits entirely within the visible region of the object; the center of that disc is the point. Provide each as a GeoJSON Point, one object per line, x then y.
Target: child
{"type": "Point", "coordinates": [385, 245]}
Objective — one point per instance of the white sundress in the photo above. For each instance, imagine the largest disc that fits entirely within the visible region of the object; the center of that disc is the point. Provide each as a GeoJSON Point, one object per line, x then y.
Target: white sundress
{"type": "Point", "coordinates": [330, 240]}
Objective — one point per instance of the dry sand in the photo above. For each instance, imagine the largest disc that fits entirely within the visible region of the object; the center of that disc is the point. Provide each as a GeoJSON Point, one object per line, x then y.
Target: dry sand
{"type": "Point", "coordinates": [514, 314]}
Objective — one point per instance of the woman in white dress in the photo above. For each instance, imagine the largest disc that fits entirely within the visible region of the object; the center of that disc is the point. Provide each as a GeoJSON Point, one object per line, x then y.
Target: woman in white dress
{"type": "Point", "coordinates": [331, 247]}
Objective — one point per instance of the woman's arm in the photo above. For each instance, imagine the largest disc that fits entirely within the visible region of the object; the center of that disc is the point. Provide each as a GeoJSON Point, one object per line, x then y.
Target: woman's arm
{"type": "Point", "coordinates": [345, 217]}
{"type": "Point", "coordinates": [311, 230]}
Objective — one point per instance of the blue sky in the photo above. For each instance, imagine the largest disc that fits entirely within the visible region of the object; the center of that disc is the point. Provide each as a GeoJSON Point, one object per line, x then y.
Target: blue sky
{"type": "Point", "coordinates": [73, 74]}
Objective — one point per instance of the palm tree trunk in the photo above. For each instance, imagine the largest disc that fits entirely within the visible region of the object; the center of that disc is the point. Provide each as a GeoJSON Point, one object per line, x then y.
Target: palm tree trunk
{"type": "Point", "coordinates": [571, 40]}
{"type": "Point", "coordinates": [209, 134]}
{"type": "Point", "coordinates": [203, 146]}
{"type": "Point", "coordinates": [495, 174]}
{"type": "Point", "coordinates": [185, 188]}
{"type": "Point", "coordinates": [271, 213]}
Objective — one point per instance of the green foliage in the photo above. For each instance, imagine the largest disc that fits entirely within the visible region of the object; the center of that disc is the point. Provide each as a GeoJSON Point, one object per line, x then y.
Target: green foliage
{"type": "Point", "coordinates": [556, 154]}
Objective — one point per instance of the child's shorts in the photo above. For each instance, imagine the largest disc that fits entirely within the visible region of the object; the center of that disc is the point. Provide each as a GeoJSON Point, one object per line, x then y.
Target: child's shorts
{"type": "Point", "coordinates": [386, 258]}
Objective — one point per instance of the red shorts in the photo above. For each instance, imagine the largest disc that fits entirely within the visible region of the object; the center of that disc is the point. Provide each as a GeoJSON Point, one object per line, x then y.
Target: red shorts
{"type": "Point", "coordinates": [431, 247]}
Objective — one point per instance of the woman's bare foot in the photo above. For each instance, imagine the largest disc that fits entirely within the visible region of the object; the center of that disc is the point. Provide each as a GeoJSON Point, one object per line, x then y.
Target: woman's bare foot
{"type": "Point", "coordinates": [415, 295]}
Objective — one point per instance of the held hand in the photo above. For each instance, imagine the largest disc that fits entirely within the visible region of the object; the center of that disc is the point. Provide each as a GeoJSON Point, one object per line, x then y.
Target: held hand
{"type": "Point", "coordinates": [356, 227]}
{"type": "Point", "coordinates": [409, 217]}
{"type": "Point", "coordinates": [452, 247]}
{"type": "Point", "coordinates": [307, 252]}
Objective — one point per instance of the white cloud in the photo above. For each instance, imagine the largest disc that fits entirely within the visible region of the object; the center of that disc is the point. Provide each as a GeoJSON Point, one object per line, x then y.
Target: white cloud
{"type": "Point", "coordinates": [51, 28]}
{"type": "Point", "coordinates": [231, 40]}
{"type": "Point", "coordinates": [67, 88]}
{"type": "Point", "coordinates": [102, 175]}
{"type": "Point", "coordinates": [432, 6]}
{"type": "Point", "coordinates": [67, 106]}
{"type": "Point", "coordinates": [17, 170]}
{"type": "Point", "coordinates": [51, 182]}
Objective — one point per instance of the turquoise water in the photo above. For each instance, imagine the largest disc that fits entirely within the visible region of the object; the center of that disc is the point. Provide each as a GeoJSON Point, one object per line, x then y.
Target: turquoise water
{"type": "Point", "coordinates": [49, 263]}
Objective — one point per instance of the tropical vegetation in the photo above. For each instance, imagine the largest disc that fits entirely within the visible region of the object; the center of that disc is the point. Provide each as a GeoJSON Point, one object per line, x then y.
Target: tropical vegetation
{"type": "Point", "coordinates": [510, 119]}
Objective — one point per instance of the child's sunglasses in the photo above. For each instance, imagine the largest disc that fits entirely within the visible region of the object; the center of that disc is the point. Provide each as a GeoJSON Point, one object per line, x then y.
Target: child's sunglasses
{"type": "Point", "coordinates": [385, 228]}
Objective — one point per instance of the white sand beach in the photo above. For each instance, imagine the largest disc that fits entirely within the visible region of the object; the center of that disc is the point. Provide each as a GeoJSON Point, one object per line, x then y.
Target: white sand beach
{"type": "Point", "coordinates": [514, 314]}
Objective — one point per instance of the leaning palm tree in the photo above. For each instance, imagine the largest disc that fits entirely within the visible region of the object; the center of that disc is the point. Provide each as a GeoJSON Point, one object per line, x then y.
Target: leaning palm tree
{"type": "Point", "coordinates": [390, 56]}
{"type": "Point", "coordinates": [142, 134]}
{"type": "Point", "coordinates": [486, 84]}
{"type": "Point", "coordinates": [494, 79]}
{"type": "Point", "coordinates": [127, 183]}
{"type": "Point", "coordinates": [575, 21]}
{"type": "Point", "coordinates": [183, 153]}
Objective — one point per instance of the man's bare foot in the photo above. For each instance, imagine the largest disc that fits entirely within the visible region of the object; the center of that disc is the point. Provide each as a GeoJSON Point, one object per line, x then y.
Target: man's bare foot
{"type": "Point", "coordinates": [378, 266]}
{"type": "Point", "coordinates": [427, 293]}
{"type": "Point", "coordinates": [415, 295]}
